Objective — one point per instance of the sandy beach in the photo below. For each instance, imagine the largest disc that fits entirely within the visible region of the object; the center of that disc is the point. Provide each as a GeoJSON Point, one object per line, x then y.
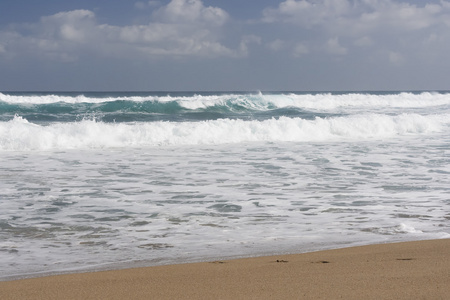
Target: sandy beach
{"type": "Point", "coordinates": [410, 270]}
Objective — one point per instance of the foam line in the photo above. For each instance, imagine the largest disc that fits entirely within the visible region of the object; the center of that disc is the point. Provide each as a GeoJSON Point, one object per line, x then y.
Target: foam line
{"type": "Point", "coordinates": [21, 135]}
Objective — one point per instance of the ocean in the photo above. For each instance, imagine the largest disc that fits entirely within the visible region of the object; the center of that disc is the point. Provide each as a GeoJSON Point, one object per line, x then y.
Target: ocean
{"type": "Point", "coordinates": [93, 181]}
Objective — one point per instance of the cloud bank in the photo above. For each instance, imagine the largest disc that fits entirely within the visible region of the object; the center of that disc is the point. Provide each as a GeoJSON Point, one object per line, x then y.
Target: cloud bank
{"type": "Point", "coordinates": [301, 35]}
{"type": "Point", "coordinates": [189, 28]}
{"type": "Point", "coordinates": [384, 24]}
{"type": "Point", "coordinates": [181, 28]}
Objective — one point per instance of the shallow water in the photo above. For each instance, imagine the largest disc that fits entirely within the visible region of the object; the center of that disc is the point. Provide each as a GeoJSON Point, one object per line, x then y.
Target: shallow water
{"type": "Point", "coordinates": [94, 206]}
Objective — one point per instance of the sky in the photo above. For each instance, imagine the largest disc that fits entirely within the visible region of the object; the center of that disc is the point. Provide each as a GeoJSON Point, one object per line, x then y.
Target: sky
{"type": "Point", "coordinates": [228, 45]}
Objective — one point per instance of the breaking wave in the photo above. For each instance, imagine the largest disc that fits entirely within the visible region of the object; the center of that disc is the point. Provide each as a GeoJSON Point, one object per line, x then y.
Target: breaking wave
{"type": "Point", "coordinates": [20, 135]}
{"type": "Point", "coordinates": [245, 101]}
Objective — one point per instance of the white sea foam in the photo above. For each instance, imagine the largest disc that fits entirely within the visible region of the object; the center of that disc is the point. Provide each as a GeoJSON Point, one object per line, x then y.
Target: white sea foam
{"type": "Point", "coordinates": [330, 101]}
{"type": "Point", "coordinates": [19, 134]}
{"type": "Point", "coordinates": [258, 101]}
{"type": "Point", "coordinates": [74, 210]}
{"type": "Point", "coordinates": [54, 98]}
{"type": "Point", "coordinates": [342, 170]}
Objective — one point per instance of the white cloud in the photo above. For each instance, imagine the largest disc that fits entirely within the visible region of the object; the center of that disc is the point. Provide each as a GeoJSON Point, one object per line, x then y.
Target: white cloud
{"type": "Point", "coordinates": [276, 45]}
{"type": "Point", "coordinates": [181, 11]}
{"type": "Point", "coordinates": [245, 41]}
{"type": "Point", "coordinates": [364, 42]}
{"type": "Point", "coordinates": [58, 37]}
{"type": "Point", "coordinates": [318, 33]}
{"type": "Point", "coordinates": [432, 38]}
{"type": "Point", "coordinates": [306, 13]}
{"type": "Point", "coordinates": [400, 16]}
{"type": "Point", "coordinates": [393, 25]}
{"type": "Point", "coordinates": [355, 17]}
{"type": "Point", "coordinates": [181, 28]}
{"type": "Point", "coordinates": [71, 26]}
{"type": "Point", "coordinates": [144, 5]}
{"type": "Point", "coordinates": [396, 58]}
{"type": "Point", "coordinates": [334, 47]}
{"type": "Point", "coordinates": [300, 50]}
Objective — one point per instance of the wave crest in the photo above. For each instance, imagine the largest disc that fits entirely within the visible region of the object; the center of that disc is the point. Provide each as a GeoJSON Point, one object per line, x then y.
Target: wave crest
{"type": "Point", "coordinates": [260, 101]}
{"type": "Point", "coordinates": [19, 135]}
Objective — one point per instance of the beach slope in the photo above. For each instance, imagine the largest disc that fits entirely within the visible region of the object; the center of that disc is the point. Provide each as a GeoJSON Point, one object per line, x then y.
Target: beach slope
{"type": "Point", "coordinates": [411, 270]}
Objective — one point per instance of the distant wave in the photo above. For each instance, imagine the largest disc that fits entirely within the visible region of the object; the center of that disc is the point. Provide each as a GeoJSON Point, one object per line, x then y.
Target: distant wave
{"type": "Point", "coordinates": [258, 101]}
{"type": "Point", "coordinates": [20, 135]}
{"type": "Point", "coordinates": [118, 107]}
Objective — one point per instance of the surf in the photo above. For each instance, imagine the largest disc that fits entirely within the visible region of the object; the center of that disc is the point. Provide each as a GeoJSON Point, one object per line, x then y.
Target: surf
{"type": "Point", "coordinates": [21, 135]}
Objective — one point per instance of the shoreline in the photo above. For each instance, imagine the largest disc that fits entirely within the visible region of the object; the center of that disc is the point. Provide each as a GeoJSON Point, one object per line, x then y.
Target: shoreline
{"type": "Point", "coordinates": [402, 270]}
{"type": "Point", "coordinates": [136, 264]}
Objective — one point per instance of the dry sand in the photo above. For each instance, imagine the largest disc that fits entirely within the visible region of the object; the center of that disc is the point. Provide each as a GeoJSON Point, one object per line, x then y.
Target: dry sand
{"type": "Point", "coordinates": [412, 270]}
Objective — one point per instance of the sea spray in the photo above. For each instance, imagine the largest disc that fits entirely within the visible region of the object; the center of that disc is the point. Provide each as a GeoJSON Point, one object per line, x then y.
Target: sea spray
{"type": "Point", "coordinates": [21, 135]}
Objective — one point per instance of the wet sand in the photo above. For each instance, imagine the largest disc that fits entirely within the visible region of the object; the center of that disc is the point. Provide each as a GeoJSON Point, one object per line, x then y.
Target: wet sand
{"type": "Point", "coordinates": [411, 270]}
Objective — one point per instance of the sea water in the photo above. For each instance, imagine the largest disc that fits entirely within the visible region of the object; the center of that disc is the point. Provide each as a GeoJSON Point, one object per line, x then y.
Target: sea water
{"type": "Point", "coordinates": [92, 181]}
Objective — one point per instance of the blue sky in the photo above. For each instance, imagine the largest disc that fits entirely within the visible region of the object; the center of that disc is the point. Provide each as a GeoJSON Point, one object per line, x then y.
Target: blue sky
{"type": "Point", "coordinates": [232, 45]}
